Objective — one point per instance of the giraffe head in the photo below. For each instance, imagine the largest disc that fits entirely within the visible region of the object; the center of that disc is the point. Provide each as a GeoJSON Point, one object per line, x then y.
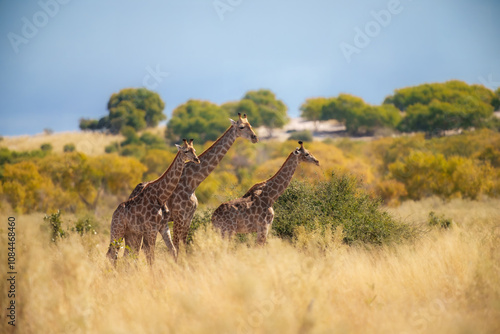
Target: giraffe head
{"type": "Point", "coordinates": [305, 155]}
{"type": "Point", "coordinates": [187, 151]}
{"type": "Point", "coordinates": [244, 129]}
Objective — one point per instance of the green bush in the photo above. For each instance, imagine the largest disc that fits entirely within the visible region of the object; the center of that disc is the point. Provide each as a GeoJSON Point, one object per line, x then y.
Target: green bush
{"type": "Point", "coordinates": [55, 222]}
{"type": "Point", "coordinates": [201, 219]}
{"type": "Point", "coordinates": [136, 151]}
{"type": "Point", "coordinates": [112, 148]}
{"type": "Point", "coordinates": [69, 147]}
{"type": "Point", "coordinates": [46, 147]}
{"type": "Point", "coordinates": [338, 201]}
{"type": "Point", "coordinates": [439, 221]}
{"type": "Point", "coordinates": [85, 225]}
{"type": "Point", "coordinates": [305, 135]}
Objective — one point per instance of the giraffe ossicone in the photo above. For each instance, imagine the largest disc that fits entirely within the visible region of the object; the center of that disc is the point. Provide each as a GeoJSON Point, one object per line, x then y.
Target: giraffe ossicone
{"type": "Point", "coordinates": [253, 212]}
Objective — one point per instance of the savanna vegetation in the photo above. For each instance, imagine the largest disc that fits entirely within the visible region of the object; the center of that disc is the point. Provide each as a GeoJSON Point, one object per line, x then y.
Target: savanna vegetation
{"type": "Point", "coordinates": [393, 234]}
{"type": "Point", "coordinates": [431, 108]}
{"type": "Point", "coordinates": [395, 169]}
{"type": "Point", "coordinates": [445, 281]}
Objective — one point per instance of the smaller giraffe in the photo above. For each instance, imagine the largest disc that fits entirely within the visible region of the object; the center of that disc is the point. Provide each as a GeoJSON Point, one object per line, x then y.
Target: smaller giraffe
{"type": "Point", "coordinates": [140, 217]}
{"type": "Point", "coordinates": [254, 211]}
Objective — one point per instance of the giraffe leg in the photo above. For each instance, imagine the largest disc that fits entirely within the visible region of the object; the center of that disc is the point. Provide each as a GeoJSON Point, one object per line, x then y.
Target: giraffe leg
{"type": "Point", "coordinates": [165, 213]}
{"type": "Point", "coordinates": [262, 231]}
{"type": "Point", "coordinates": [133, 241]}
{"type": "Point", "coordinates": [149, 246]}
{"type": "Point", "coordinates": [228, 234]}
{"type": "Point", "coordinates": [165, 233]}
{"type": "Point", "coordinates": [181, 228]}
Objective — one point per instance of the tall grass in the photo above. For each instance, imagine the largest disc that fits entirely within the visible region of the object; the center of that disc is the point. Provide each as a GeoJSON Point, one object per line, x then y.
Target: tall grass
{"type": "Point", "coordinates": [445, 282]}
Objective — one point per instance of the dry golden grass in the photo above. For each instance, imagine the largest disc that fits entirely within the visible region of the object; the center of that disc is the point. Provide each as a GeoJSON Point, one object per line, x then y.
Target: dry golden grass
{"type": "Point", "coordinates": [91, 143]}
{"type": "Point", "coordinates": [446, 282]}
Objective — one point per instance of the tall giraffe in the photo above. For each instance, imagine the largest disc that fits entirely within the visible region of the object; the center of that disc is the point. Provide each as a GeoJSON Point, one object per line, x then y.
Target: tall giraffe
{"type": "Point", "coordinates": [254, 211]}
{"type": "Point", "coordinates": [183, 202]}
{"type": "Point", "coordinates": [141, 216]}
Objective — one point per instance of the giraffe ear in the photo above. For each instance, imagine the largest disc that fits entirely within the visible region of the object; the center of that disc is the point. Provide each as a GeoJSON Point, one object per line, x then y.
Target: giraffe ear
{"type": "Point", "coordinates": [178, 146]}
{"type": "Point", "coordinates": [297, 151]}
{"type": "Point", "coordinates": [232, 122]}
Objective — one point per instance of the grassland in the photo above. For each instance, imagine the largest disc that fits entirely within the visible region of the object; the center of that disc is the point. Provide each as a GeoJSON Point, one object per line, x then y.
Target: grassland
{"type": "Point", "coordinates": [447, 281]}
{"type": "Point", "coordinates": [90, 143]}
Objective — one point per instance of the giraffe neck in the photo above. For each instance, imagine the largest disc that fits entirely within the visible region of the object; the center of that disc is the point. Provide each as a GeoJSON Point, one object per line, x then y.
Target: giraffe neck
{"type": "Point", "coordinates": [163, 187]}
{"type": "Point", "coordinates": [194, 174]}
{"type": "Point", "coordinates": [277, 184]}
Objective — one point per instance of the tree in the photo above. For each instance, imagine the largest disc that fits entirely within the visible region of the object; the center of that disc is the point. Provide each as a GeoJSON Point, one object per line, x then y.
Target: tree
{"type": "Point", "coordinates": [250, 108]}
{"type": "Point", "coordinates": [200, 120]}
{"type": "Point", "coordinates": [358, 116]}
{"type": "Point", "coordinates": [450, 91]}
{"type": "Point", "coordinates": [70, 147]}
{"type": "Point", "coordinates": [135, 107]}
{"type": "Point", "coordinates": [46, 147]}
{"type": "Point", "coordinates": [272, 112]}
{"type": "Point", "coordinates": [438, 117]}
{"type": "Point", "coordinates": [496, 100]}
{"type": "Point", "coordinates": [312, 109]}
{"type": "Point", "coordinates": [25, 189]}
{"type": "Point", "coordinates": [340, 107]}
{"type": "Point", "coordinates": [438, 107]}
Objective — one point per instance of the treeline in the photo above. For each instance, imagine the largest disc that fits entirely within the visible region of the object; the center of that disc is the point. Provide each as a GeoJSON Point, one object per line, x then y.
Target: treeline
{"type": "Point", "coordinates": [133, 110]}
{"type": "Point", "coordinates": [395, 169]}
{"type": "Point", "coordinates": [431, 108]}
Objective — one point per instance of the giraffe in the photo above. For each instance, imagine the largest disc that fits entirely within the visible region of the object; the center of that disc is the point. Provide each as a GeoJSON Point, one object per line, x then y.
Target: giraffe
{"type": "Point", "coordinates": [254, 211]}
{"type": "Point", "coordinates": [183, 202]}
{"type": "Point", "coordinates": [141, 217]}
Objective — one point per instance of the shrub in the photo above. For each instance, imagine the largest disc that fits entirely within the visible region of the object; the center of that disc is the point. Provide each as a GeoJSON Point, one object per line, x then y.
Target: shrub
{"type": "Point", "coordinates": [136, 151]}
{"type": "Point", "coordinates": [391, 191]}
{"type": "Point", "coordinates": [88, 124]}
{"type": "Point", "coordinates": [55, 222]}
{"type": "Point", "coordinates": [152, 140]}
{"type": "Point", "coordinates": [439, 221]}
{"type": "Point", "coordinates": [46, 147]}
{"type": "Point", "coordinates": [340, 201]}
{"type": "Point", "coordinates": [69, 147]}
{"type": "Point", "coordinates": [84, 225]}
{"type": "Point", "coordinates": [305, 135]}
{"type": "Point", "coordinates": [112, 148]}
{"type": "Point", "coordinates": [202, 219]}
{"type": "Point", "coordinates": [130, 135]}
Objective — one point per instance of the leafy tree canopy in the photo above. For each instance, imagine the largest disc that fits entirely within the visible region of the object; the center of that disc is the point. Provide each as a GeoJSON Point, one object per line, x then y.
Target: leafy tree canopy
{"type": "Point", "coordinates": [200, 120]}
{"type": "Point", "coordinates": [206, 121]}
{"type": "Point", "coordinates": [312, 109]}
{"type": "Point", "coordinates": [453, 92]}
{"type": "Point", "coordinates": [268, 111]}
{"type": "Point", "coordinates": [134, 107]}
{"type": "Point", "coordinates": [358, 116]}
{"type": "Point", "coordinates": [438, 107]}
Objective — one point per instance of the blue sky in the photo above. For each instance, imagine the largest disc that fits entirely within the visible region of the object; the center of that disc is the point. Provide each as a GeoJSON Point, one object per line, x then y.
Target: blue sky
{"type": "Point", "coordinates": [60, 60]}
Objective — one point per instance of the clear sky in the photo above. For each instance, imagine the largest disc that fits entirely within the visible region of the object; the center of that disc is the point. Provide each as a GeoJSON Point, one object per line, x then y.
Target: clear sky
{"type": "Point", "coordinates": [60, 60]}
